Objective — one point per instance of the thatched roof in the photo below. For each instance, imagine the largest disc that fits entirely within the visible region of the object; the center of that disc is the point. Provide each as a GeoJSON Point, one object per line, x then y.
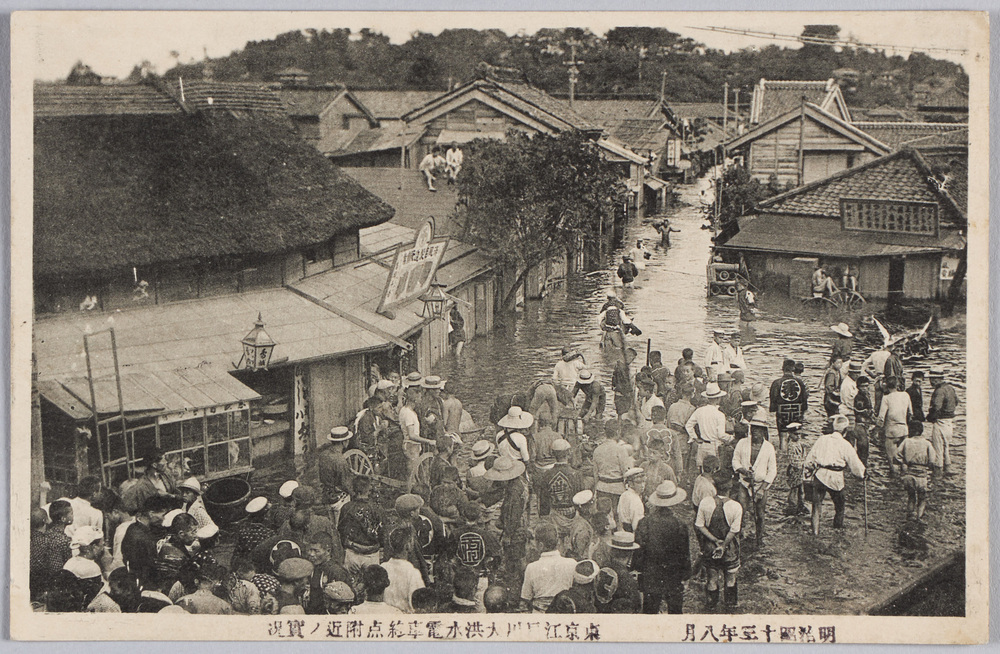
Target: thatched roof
{"type": "Point", "coordinates": [132, 190]}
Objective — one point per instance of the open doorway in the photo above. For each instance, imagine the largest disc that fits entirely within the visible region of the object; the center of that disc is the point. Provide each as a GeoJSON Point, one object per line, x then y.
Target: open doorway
{"type": "Point", "coordinates": [897, 266]}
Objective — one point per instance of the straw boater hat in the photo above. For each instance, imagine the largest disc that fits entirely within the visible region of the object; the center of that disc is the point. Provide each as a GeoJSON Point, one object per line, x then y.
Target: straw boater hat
{"type": "Point", "coordinates": [936, 372]}
{"type": "Point", "coordinates": [191, 484]}
{"type": "Point", "coordinates": [384, 385]}
{"type": "Point", "coordinates": [758, 423]}
{"type": "Point", "coordinates": [624, 540]}
{"type": "Point", "coordinates": [712, 390]}
{"type": "Point", "coordinates": [481, 450]}
{"type": "Point", "coordinates": [288, 488]}
{"type": "Point", "coordinates": [633, 472]}
{"type": "Point", "coordinates": [585, 377]}
{"type": "Point", "coordinates": [413, 379]}
{"type": "Point", "coordinates": [504, 469]}
{"type": "Point", "coordinates": [724, 377]}
{"type": "Point", "coordinates": [256, 505]}
{"type": "Point", "coordinates": [854, 366]}
{"type": "Point", "coordinates": [339, 435]}
{"type": "Point", "coordinates": [842, 329]}
{"type": "Point", "coordinates": [516, 418]}
{"type": "Point", "coordinates": [432, 382]}
{"type": "Point", "coordinates": [561, 445]}
{"type": "Point", "coordinates": [667, 494]}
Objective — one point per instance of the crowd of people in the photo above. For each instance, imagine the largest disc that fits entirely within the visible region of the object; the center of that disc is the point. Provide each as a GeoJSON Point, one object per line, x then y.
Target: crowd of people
{"type": "Point", "coordinates": [565, 503]}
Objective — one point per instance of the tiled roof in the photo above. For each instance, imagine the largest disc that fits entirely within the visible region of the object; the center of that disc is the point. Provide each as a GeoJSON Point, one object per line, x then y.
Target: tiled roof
{"type": "Point", "coordinates": [406, 192]}
{"type": "Point", "coordinates": [604, 112]}
{"type": "Point", "coordinates": [957, 137]}
{"type": "Point", "coordinates": [901, 176]}
{"type": "Point", "coordinates": [111, 100]}
{"type": "Point", "coordinates": [393, 104]}
{"type": "Point", "coordinates": [640, 133]}
{"type": "Point", "coordinates": [808, 235]}
{"type": "Point", "coordinates": [773, 98]}
{"type": "Point", "coordinates": [883, 114]}
{"type": "Point", "coordinates": [554, 106]}
{"type": "Point", "coordinates": [895, 134]}
{"type": "Point", "coordinates": [234, 97]}
{"type": "Point", "coordinates": [309, 101]}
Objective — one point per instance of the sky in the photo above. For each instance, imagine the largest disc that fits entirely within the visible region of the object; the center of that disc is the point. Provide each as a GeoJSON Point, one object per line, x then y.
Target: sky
{"type": "Point", "coordinates": [113, 42]}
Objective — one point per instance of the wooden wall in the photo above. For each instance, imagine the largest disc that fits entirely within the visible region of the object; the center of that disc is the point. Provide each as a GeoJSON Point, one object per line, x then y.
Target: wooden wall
{"type": "Point", "coordinates": [336, 392]}
{"type": "Point", "coordinates": [778, 153]}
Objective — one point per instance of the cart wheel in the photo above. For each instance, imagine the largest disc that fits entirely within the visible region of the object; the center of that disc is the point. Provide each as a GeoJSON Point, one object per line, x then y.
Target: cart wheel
{"type": "Point", "coordinates": [731, 290]}
{"type": "Point", "coordinates": [359, 462]}
{"type": "Point", "coordinates": [723, 275]}
{"type": "Point", "coordinates": [854, 300]}
{"type": "Point", "coordinates": [716, 290]}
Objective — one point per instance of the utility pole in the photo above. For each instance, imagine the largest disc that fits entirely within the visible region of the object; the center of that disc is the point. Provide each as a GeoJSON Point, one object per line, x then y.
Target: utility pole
{"type": "Point", "coordinates": [725, 119]}
{"type": "Point", "coordinates": [736, 109]}
{"type": "Point", "coordinates": [574, 72]}
{"type": "Point", "coordinates": [663, 88]}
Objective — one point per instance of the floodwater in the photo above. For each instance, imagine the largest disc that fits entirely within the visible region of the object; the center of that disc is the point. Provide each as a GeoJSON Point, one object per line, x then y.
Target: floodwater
{"type": "Point", "coordinates": [839, 572]}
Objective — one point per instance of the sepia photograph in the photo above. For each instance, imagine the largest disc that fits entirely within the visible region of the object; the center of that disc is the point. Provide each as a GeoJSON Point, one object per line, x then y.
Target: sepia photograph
{"type": "Point", "coordinates": [419, 325]}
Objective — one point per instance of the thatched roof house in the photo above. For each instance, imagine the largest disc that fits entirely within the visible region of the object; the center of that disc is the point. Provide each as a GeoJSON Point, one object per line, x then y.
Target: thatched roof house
{"type": "Point", "coordinates": [157, 179]}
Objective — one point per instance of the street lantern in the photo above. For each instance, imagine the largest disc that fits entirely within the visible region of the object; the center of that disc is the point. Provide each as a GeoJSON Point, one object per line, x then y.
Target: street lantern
{"type": "Point", "coordinates": [435, 301]}
{"type": "Point", "coordinates": [257, 347]}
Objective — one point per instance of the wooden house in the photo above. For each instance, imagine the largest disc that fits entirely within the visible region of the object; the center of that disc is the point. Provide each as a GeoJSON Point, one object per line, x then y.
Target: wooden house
{"type": "Point", "coordinates": [326, 116]}
{"type": "Point", "coordinates": [898, 220]}
{"type": "Point", "coordinates": [178, 219]}
{"type": "Point", "coordinates": [803, 145]}
{"type": "Point", "coordinates": [773, 98]}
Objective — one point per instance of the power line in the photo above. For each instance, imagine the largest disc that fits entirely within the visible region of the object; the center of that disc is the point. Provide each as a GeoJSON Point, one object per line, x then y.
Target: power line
{"type": "Point", "coordinates": [819, 40]}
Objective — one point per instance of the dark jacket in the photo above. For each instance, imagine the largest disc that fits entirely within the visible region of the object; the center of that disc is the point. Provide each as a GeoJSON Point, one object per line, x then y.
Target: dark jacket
{"type": "Point", "coordinates": [664, 559]}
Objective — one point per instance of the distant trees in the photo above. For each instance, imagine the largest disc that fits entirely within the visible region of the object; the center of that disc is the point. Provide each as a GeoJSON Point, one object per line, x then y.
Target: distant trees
{"type": "Point", "coordinates": [627, 61]}
{"type": "Point", "coordinates": [529, 198]}
{"type": "Point", "coordinates": [82, 75]}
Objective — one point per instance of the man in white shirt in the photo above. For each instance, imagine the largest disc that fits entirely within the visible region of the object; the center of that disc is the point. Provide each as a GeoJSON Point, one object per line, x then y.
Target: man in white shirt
{"type": "Point", "coordinates": [894, 417]}
{"type": "Point", "coordinates": [551, 574]}
{"type": "Point", "coordinates": [427, 166]}
{"type": "Point", "coordinates": [733, 354]}
{"type": "Point", "coordinates": [375, 580]}
{"type": "Point", "coordinates": [754, 459]}
{"type": "Point", "coordinates": [409, 422]}
{"type": "Point", "coordinates": [715, 358]}
{"type": "Point", "coordinates": [511, 442]}
{"type": "Point", "coordinates": [567, 370]}
{"type": "Point", "coordinates": [719, 520]}
{"type": "Point", "coordinates": [825, 464]}
{"type": "Point", "coordinates": [849, 390]}
{"type": "Point", "coordinates": [631, 504]}
{"type": "Point", "coordinates": [707, 425]}
{"type": "Point", "coordinates": [454, 159]}
{"type": "Point", "coordinates": [404, 578]}
{"type": "Point", "coordinates": [874, 366]}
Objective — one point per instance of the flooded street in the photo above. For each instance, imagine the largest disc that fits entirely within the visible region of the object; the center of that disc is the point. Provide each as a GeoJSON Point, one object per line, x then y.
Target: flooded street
{"type": "Point", "coordinates": [838, 573]}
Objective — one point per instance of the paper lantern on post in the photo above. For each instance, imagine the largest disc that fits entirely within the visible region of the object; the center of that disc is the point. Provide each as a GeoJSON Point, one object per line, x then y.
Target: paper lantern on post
{"type": "Point", "coordinates": [257, 347]}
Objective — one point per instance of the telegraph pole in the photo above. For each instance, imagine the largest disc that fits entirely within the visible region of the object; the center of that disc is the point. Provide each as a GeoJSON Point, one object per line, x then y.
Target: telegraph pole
{"type": "Point", "coordinates": [574, 72]}
{"type": "Point", "coordinates": [725, 118]}
{"type": "Point", "coordinates": [736, 109]}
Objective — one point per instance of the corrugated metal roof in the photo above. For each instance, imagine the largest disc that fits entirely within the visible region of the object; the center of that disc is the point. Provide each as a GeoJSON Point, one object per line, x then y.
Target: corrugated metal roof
{"type": "Point", "coordinates": [824, 236]}
{"type": "Point", "coordinates": [381, 237]}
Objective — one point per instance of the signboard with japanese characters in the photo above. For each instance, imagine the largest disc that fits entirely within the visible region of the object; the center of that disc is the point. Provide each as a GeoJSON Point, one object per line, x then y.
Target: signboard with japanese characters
{"type": "Point", "coordinates": [413, 268]}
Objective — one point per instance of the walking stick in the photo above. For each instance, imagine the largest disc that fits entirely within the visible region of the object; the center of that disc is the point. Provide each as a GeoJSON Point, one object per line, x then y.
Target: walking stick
{"type": "Point", "coordinates": [649, 345]}
{"type": "Point", "coordinates": [864, 483]}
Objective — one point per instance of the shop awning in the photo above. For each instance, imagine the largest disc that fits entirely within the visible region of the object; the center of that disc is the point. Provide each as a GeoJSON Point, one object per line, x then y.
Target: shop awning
{"type": "Point", "coordinates": [655, 183]}
{"type": "Point", "coordinates": [149, 391]}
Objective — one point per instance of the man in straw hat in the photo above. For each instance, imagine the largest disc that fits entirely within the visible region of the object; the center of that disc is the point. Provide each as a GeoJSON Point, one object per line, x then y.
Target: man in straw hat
{"type": "Point", "coordinates": [335, 472]}
{"type": "Point", "coordinates": [789, 399]}
{"type": "Point", "coordinates": [707, 425]}
{"type": "Point", "coordinates": [551, 574]}
{"type": "Point", "coordinates": [941, 415]}
{"type": "Point", "coordinates": [511, 441]}
{"type": "Point", "coordinates": [595, 397]}
{"type": "Point", "coordinates": [664, 560]}
{"type": "Point", "coordinates": [756, 465]}
{"type": "Point", "coordinates": [824, 468]}
{"type": "Point", "coordinates": [627, 598]}
{"type": "Point", "coordinates": [578, 598]}
{"type": "Point", "coordinates": [431, 410]}
{"type": "Point", "coordinates": [475, 480]}
{"type": "Point", "coordinates": [715, 355]}
{"type": "Point", "coordinates": [719, 521]}
{"type": "Point", "coordinates": [509, 473]}
{"type": "Point", "coordinates": [631, 504]}
{"type": "Point", "coordinates": [410, 424]}
{"type": "Point", "coordinates": [844, 344]}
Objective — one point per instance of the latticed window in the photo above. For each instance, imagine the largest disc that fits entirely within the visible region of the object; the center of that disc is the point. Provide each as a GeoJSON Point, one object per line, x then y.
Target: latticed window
{"type": "Point", "coordinates": [889, 216]}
